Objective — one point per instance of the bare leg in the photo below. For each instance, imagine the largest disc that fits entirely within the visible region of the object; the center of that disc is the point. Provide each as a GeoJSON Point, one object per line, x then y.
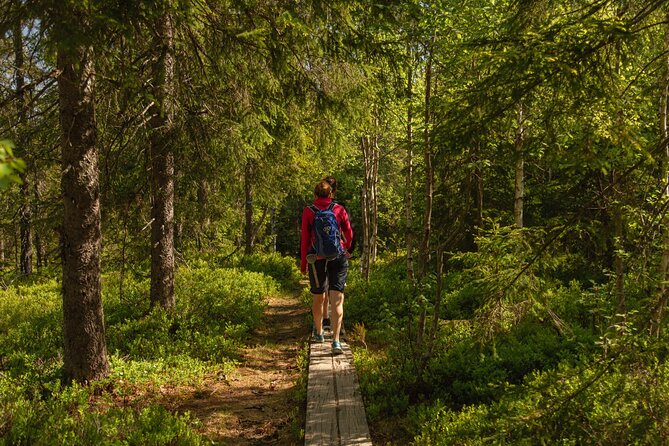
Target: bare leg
{"type": "Point", "coordinates": [337, 313]}
{"type": "Point", "coordinates": [317, 312]}
{"type": "Point", "coordinates": [326, 306]}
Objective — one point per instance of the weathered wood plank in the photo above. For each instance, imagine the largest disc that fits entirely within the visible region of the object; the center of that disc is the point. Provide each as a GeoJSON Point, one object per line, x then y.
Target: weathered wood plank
{"type": "Point", "coordinates": [335, 412]}
{"type": "Point", "coordinates": [351, 417]}
{"type": "Point", "coordinates": [321, 426]}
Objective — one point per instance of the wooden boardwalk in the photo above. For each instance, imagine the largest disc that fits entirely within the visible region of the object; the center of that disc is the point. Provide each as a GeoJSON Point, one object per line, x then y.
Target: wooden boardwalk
{"type": "Point", "coordinates": [335, 412]}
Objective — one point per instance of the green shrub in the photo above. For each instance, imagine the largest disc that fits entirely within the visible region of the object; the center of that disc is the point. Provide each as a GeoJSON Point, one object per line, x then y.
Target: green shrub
{"type": "Point", "coordinates": [381, 385]}
{"type": "Point", "coordinates": [598, 402]}
{"type": "Point", "coordinates": [379, 302]}
{"type": "Point", "coordinates": [215, 309]}
{"type": "Point", "coordinates": [282, 269]}
{"type": "Point", "coordinates": [31, 319]}
{"type": "Point", "coordinates": [65, 416]}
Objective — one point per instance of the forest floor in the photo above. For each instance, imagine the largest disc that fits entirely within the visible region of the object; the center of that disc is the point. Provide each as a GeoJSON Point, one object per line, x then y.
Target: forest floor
{"type": "Point", "coordinates": [257, 404]}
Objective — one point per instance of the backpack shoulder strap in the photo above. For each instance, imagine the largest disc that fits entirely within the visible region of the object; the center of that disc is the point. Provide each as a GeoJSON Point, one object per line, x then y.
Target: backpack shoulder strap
{"type": "Point", "coordinates": [314, 209]}
{"type": "Point", "coordinates": [332, 205]}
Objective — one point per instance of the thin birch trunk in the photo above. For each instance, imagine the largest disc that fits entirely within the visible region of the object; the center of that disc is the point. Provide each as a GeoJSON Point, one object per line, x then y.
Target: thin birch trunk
{"type": "Point", "coordinates": [374, 208]}
{"type": "Point", "coordinates": [365, 205]}
{"type": "Point", "coordinates": [519, 190]}
{"type": "Point", "coordinates": [429, 193]}
{"type": "Point", "coordinates": [429, 170]}
{"type": "Point", "coordinates": [661, 304]}
{"type": "Point", "coordinates": [618, 262]}
{"type": "Point", "coordinates": [408, 209]}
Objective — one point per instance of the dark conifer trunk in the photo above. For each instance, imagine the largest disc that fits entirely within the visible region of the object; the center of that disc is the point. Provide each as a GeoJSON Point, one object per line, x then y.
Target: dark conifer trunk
{"type": "Point", "coordinates": [249, 239]}
{"type": "Point", "coordinates": [162, 167]}
{"type": "Point", "coordinates": [85, 350]}
{"type": "Point", "coordinates": [25, 212]}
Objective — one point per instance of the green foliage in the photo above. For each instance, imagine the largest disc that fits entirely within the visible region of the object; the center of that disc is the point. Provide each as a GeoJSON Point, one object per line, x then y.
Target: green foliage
{"type": "Point", "coordinates": [381, 301]}
{"type": "Point", "coordinates": [618, 400]}
{"type": "Point", "coordinates": [9, 165]}
{"type": "Point", "coordinates": [383, 388]}
{"type": "Point", "coordinates": [283, 269]}
{"type": "Point", "coordinates": [217, 308]}
{"type": "Point", "coordinates": [31, 320]}
{"type": "Point", "coordinates": [49, 414]}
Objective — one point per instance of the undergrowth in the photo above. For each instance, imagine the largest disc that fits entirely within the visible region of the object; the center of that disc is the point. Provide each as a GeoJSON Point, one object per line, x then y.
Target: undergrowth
{"type": "Point", "coordinates": [545, 360]}
{"type": "Point", "coordinates": [217, 309]}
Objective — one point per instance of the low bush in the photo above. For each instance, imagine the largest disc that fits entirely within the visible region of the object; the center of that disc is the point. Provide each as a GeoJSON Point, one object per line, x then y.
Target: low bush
{"type": "Point", "coordinates": [607, 402]}
{"type": "Point", "coordinates": [216, 310]}
{"type": "Point", "coordinates": [282, 269]}
{"type": "Point", "coordinates": [49, 414]}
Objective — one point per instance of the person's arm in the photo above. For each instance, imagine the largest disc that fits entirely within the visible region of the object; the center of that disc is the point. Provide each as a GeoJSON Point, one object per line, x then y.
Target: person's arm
{"type": "Point", "coordinates": [305, 238]}
{"type": "Point", "coordinates": [345, 226]}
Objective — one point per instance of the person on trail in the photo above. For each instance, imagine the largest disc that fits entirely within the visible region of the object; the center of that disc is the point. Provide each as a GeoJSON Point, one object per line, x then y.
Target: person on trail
{"type": "Point", "coordinates": [326, 302]}
{"type": "Point", "coordinates": [322, 266]}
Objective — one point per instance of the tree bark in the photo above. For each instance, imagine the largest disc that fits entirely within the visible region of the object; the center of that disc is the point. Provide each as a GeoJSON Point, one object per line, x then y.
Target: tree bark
{"type": "Point", "coordinates": [408, 208]}
{"type": "Point", "coordinates": [85, 350]}
{"type": "Point", "coordinates": [249, 239]}
{"type": "Point", "coordinates": [429, 169]}
{"type": "Point", "coordinates": [618, 231]}
{"type": "Point", "coordinates": [374, 200]}
{"type": "Point", "coordinates": [365, 209]}
{"type": "Point", "coordinates": [162, 167]}
{"type": "Point", "coordinates": [25, 212]}
{"type": "Point", "coordinates": [40, 243]}
{"type": "Point", "coordinates": [661, 303]}
{"type": "Point", "coordinates": [519, 190]}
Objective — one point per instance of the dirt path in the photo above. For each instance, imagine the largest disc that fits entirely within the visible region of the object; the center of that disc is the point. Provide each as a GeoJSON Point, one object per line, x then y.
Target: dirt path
{"type": "Point", "coordinates": [256, 404]}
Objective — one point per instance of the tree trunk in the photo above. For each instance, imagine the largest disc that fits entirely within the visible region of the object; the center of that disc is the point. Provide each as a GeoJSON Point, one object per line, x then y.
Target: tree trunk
{"type": "Point", "coordinates": [661, 304]}
{"type": "Point", "coordinates": [25, 212]}
{"type": "Point", "coordinates": [272, 227]}
{"type": "Point", "coordinates": [249, 239]}
{"type": "Point", "coordinates": [162, 167]}
{"type": "Point", "coordinates": [365, 209]}
{"type": "Point", "coordinates": [429, 170]}
{"type": "Point", "coordinates": [618, 247]}
{"type": "Point", "coordinates": [437, 300]}
{"type": "Point", "coordinates": [85, 350]}
{"type": "Point", "coordinates": [40, 243]}
{"type": "Point", "coordinates": [408, 206]}
{"type": "Point", "coordinates": [374, 201]}
{"type": "Point", "coordinates": [519, 192]}
{"type": "Point", "coordinates": [478, 179]}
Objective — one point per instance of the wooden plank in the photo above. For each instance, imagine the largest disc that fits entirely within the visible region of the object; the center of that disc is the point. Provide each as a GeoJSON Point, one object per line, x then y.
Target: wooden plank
{"type": "Point", "coordinates": [335, 412]}
{"type": "Point", "coordinates": [321, 425]}
{"type": "Point", "coordinates": [351, 417]}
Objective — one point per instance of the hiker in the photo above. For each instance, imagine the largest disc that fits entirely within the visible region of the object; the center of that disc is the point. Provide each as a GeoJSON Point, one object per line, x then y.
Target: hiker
{"type": "Point", "coordinates": [326, 257]}
{"type": "Point", "coordinates": [326, 302]}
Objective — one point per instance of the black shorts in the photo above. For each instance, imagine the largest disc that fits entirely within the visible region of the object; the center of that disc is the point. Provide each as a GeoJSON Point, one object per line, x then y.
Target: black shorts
{"type": "Point", "coordinates": [335, 271]}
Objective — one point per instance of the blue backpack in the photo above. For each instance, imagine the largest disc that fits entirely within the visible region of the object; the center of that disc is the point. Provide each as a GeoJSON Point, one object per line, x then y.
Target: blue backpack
{"type": "Point", "coordinates": [327, 236]}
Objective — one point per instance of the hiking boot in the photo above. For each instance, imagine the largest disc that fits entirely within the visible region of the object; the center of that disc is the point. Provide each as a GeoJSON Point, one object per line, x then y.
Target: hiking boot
{"type": "Point", "coordinates": [326, 323]}
{"type": "Point", "coordinates": [317, 337]}
{"type": "Point", "coordinates": [336, 348]}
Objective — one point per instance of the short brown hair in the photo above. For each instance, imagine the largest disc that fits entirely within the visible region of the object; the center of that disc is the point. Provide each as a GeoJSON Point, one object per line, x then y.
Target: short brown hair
{"type": "Point", "coordinates": [323, 189]}
{"type": "Point", "coordinates": [333, 182]}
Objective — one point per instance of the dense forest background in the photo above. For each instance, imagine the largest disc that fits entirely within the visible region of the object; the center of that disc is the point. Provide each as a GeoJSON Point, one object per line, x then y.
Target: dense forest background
{"type": "Point", "coordinates": [505, 165]}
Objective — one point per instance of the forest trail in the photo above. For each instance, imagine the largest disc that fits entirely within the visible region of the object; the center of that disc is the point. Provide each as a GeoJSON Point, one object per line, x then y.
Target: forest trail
{"type": "Point", "coordinates": [255, 404]}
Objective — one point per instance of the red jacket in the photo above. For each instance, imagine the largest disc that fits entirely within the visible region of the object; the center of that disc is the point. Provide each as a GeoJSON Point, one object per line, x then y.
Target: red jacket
{"type": "Point", "coordinates": [307, 237]}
